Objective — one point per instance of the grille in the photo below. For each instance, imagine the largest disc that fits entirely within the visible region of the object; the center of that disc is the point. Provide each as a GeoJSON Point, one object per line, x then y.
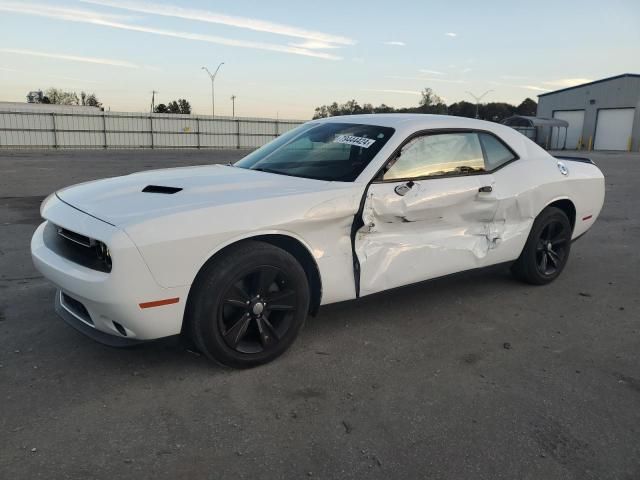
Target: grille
{"type": "Point", "coordinates": [75, 237]}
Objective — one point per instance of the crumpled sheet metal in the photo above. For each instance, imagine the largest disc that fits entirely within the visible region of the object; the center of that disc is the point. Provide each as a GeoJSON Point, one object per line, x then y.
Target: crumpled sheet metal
{"type": "Point", "coordinates": [409, 238]}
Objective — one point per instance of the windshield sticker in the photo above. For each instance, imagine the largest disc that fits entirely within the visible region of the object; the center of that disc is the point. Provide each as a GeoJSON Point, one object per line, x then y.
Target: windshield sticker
{"type": "Point", "coordinates": [357, 141]}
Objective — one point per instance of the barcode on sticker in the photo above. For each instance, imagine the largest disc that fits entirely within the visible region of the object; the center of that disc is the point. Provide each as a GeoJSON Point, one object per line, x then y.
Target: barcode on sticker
{"type": "Point", "coordinates": [353, 140]}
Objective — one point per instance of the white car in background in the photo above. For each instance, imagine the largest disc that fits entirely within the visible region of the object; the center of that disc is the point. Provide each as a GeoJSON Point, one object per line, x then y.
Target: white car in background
{"type": "Point", "coordinates": [236, 256]}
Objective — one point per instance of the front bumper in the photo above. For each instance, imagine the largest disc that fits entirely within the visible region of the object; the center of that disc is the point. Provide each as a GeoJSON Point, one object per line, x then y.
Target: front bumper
{"type": "Point", "coordinates": [80, 324]}
{"type": "Point", "coordinates": [110, 302]}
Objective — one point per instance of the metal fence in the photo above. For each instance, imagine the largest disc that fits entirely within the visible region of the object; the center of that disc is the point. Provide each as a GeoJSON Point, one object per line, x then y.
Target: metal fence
{"type": "Point", "coordinates": [35, 129]}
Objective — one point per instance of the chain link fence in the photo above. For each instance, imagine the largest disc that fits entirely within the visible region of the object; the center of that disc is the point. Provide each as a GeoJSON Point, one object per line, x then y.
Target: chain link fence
{"type": "Point", "coordinates": [35, 129]}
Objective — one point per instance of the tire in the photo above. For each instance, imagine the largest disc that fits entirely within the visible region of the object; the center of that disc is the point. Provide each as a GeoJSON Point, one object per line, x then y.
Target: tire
{"type": "Point", "coordinates": [248, 305]}
{"type": "Point", "coordinates": [547, 249]}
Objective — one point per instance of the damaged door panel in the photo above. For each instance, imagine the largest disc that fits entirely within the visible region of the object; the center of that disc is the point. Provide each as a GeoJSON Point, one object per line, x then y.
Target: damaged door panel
{"type": "Point", "coordinates": [438, 227]}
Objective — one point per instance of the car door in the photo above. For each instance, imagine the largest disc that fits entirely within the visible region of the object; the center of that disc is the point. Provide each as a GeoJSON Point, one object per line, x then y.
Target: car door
{"type": "Point", "coordinates": [429, 213]}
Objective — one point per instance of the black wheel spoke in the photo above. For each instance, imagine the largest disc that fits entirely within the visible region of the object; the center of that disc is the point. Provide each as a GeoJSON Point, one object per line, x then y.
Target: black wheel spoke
{"type": "Point", "coordinates": [555, 259]}
{"type": "Point", "coordinates": [274, 307]}
{"type": "Point", "coordinates": [268, 335]}
{"type": "Point", "coordinates": [543, 263]}
{"type": "Point", "coordinates": [558, 241]}
{"type": "Point", "coordinates": [234, 302]}
{"type": "Point", "coordinates": [239, 329]}
{"type": "Point", "coordinates": [237, 297]}
{"type": "Point", "coordinates": [283, 296]}
{"type": "Point", "coordinates": [281, 301]}
{"type": "Point", "coordinates": [238, 291]}
{"type": "Point", "coordinates": [263, 279]}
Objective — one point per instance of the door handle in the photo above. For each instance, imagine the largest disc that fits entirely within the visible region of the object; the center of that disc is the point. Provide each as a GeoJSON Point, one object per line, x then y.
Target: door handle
{"type": "Point", "coordinates": [486, 189]}
{"type": "Point", "coordinates": [403, 189]}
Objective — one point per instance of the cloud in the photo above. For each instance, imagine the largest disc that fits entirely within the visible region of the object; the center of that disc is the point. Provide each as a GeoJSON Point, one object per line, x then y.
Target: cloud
{"type": "Point", "coordinates": [395, 43]}
{"type": "Point", "coordinates": [61, 13]}
{"type": "Point", "coordinates": [389, 90]}
{"type": "Point", "coordinates": [533, 87]}
{"type": "Point", "coordinates": [94, 18]}
{"type": "Point", "coordinates": [527, 87]}
{"type": "Point", "coordinates": [465, 70]}
{"type": "Point", "coordinates": [72, 58]}
{"type": "Point", "coordinates": [431, 72]}
{"type": "Point", "coordinates": [314, 45]}
{"type": "Point", "coordinates": [219, 18]}
{"type": "Point", "coordinates": [428, 79]}
{"type": "Point", "coordinates": [567, 82]}
{"type": "Point", "coordinates": [451, 34]}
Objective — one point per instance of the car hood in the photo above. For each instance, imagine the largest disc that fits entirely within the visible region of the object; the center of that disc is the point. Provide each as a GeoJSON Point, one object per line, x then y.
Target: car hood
{"type": "Point", "coordinates": [121, 200]}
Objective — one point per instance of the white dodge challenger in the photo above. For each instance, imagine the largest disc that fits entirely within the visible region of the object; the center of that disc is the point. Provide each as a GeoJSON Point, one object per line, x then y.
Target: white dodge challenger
{"type": "Point", "coordinates": [236, 256]}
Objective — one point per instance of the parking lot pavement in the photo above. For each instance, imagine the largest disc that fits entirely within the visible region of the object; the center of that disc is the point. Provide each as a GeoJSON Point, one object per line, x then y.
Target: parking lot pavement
{"type": "Point", "coordinates": [473, 376]}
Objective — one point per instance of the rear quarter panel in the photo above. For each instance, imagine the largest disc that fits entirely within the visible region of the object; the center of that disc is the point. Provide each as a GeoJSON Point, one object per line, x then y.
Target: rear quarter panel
{"type": "Point", "coordinates": [528, 185]}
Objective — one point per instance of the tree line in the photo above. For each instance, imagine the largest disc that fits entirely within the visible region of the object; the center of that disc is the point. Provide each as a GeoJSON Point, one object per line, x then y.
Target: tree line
{"type": "Point", "coordinates": [58, 96]}
{"type": "Point", "coordinates": [176, 106]}
{"type": "Point", "coordinates": [432, 103]}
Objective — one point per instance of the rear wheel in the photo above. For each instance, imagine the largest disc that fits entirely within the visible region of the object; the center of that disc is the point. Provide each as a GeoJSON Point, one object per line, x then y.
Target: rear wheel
{"type": "Point", "coordinates": [248, 305]}
{"type": "Point", "coordinates": [547, 249]}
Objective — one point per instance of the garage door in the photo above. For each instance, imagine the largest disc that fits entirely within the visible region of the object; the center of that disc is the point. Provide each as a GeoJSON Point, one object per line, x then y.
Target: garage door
{"type": "Point", "coordinates": [613, 128]}
{"type": "Point", "coordinates": [574, 131]}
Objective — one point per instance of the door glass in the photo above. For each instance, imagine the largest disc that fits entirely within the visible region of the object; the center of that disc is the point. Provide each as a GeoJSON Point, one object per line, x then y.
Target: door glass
{"type": "Point", "coordinates": [437, 155]}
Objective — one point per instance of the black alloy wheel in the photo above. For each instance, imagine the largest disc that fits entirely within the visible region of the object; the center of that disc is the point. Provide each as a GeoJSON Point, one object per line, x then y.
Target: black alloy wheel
{"type": "Point", "coordinates": [551, 250]}
{"type": "Point", "coordinates": [247, 304]}
{"type": "Point", "coordinates": [546, 251]}
{"type": "Point", "coordinates": [257, 310]}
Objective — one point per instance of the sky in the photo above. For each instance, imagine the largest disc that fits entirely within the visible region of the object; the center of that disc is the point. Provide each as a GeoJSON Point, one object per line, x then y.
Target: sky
{"type": "Point", "coordinates": [283, 58]}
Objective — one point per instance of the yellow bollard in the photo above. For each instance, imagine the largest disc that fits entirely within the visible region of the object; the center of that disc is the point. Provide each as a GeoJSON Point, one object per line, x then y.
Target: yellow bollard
{"type": "Point", "coordinates": [579, 146]}
{"type": "Point", "coordinates": [629, 144]}
{"type": "Point", "coordinates": [590, 143]}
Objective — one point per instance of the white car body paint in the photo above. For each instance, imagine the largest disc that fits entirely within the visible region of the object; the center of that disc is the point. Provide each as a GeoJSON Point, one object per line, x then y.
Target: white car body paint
{"type": "Point", "coordinates": [159, 242]}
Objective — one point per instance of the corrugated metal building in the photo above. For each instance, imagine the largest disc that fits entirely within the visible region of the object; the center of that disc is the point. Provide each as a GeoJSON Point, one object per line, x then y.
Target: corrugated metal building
{"type": "Point", "coordinates": [602, 115]}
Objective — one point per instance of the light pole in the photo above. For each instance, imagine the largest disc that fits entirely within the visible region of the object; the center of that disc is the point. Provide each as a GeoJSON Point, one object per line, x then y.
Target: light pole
{"type": "Point", "coordinates": [213, 78]}
{"type": "Point", "coordinates": [153, 100]}
{"type": "Point", "coordinates": [233, 106]}
{"type": "Point", "coordinates": [477, 99]}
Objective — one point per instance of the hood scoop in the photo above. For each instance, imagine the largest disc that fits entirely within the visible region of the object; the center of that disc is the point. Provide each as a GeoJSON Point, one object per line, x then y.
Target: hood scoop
{"type": "Point", "coordinates": [161, 189]}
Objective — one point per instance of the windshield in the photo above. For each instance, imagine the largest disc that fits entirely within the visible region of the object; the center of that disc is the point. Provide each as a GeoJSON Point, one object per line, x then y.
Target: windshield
{"type": "Point", "coordinates": [324, 151]}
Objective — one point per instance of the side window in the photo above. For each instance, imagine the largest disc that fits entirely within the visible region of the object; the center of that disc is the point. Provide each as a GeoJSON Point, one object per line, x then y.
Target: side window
{"type": "Point", "coordinates": [436, 155]}
{"type": "Point", "coordinates": [496, 152]}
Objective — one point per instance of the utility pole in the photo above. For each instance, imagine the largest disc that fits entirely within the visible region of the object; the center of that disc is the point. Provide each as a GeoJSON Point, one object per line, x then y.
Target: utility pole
{"type": "Point", "coordinates": [233, 106]}
{"type": "Point", "coordinates": [153, 100]}
{"type": "Point", "coordinates": [477, 99]}
{"type": "Point", "coordinates": [212, 76]}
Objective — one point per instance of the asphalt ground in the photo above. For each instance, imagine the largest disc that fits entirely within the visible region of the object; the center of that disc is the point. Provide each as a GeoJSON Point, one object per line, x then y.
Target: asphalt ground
{"type": "Point", "coordinates": [474, 376]}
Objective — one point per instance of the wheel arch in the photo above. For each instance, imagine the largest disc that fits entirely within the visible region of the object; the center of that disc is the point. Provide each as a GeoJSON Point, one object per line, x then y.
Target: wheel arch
{"type": "Point", "coordinates": [567, 206]}
{"type": "Point", "coordinates": [287, 242]}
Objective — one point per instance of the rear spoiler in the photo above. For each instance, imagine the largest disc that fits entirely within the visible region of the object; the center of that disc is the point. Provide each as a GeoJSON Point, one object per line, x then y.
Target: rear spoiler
{"type": "Point", "coordinates": [575, 159]}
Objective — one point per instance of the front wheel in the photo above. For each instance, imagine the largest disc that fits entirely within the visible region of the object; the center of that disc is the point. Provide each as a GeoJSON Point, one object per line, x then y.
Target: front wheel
{"type": "Point", "coordinates": [248, 305]}
{"type": "Point", "coordinates": [547, 249]}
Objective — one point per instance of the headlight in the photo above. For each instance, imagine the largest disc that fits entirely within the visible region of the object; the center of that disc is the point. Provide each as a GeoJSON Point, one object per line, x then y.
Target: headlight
{"type": "Point", "coordinates": [103, 254]}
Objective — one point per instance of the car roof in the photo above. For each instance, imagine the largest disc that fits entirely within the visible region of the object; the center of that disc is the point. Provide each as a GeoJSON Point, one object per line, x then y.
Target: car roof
{"type": "Point", "coordinates": [417, 121]}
